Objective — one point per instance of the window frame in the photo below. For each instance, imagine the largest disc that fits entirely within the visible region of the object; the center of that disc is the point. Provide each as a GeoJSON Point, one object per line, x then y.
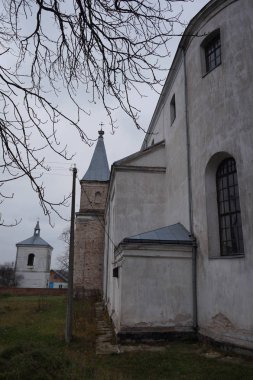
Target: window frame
{"type": "Point", "coordinates": [211, 38]}
{"type": "Point", "coordinates": [212, 219]}
{"type": "Point", "coordinates": [229, 209]}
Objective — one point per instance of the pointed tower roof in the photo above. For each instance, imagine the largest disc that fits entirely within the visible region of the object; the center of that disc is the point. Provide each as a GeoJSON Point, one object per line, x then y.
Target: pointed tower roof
{"type": "Point", "coordinates": [35, 239]}
{"type": "Point", "coordinates": [98, 169]}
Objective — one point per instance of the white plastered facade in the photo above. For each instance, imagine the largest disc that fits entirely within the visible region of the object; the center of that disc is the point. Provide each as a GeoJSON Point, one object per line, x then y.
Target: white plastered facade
{"type": "Point", "coordinates": [33, 260]}
{"type": "Point", "coordinates": [173, 181]}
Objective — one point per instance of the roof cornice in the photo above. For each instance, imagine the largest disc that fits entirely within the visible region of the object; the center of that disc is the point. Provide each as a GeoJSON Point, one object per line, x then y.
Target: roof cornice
{"type": "Point", "coordinates": [131, 157]}
{"type": "Point", "coordinates": [150, 169]}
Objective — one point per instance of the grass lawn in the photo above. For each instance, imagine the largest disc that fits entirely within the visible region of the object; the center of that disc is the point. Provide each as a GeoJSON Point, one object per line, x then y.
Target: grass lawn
{"type": "Point", "coordinates": [32, 347]}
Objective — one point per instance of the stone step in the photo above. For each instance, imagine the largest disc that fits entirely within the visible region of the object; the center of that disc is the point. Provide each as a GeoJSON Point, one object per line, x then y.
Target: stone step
{"type": "Point", "coordinates": [105, 335]}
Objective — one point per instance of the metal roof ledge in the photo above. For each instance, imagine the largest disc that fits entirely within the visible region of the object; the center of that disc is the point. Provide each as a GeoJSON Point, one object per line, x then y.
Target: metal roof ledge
{"type": "Point", "coordinates": [173, 235]}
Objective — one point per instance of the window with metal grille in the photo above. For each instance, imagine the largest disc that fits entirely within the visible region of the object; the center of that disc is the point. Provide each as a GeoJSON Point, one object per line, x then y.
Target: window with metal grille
{"type": "Point", "coordinates": [229, 212]}
{"type": "Point", "coordinates": [213, 53]}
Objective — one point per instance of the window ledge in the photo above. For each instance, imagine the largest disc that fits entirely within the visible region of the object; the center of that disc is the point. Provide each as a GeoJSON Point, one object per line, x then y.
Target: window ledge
{"type": "Point", "coordinates": [208, 72]}
{"type": "Point", "coordinates": [173, 122]}
{"type": "Point", "coordinates": [237, 256]}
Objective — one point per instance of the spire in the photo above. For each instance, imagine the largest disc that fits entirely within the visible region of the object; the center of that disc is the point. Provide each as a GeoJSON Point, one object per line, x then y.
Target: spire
{"type": "Point", "coordinates": [98, 169]}
{"type": "Point", "coordinates": [37, 229]}
{"type": "Point", "coordinates": [35, 239]}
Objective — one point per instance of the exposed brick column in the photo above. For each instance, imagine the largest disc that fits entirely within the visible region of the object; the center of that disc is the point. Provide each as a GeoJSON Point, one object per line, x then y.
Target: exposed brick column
{"type": "Point", "coordinates": [89, 239]}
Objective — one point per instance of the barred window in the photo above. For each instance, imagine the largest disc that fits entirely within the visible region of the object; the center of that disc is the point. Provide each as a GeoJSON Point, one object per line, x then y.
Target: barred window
{"type": "Point", "coordinates": [229, 212]}
{"type": "Point", "coordinates": [213, 53]}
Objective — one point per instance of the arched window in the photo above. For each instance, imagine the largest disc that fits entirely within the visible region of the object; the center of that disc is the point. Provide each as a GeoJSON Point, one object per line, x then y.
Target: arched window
{"type": "Point", "coordinates": [229, 212]}
{"type": "Point", "coordinates": [30, 260]}
{"type": "Point", "coordinates": [97, 197]}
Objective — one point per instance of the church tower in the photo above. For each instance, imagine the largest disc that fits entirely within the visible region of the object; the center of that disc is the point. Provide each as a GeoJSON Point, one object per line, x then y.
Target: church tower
{"type": "Point", "coordinates": [33, 261]}
{"type": "Point", "coordinates": [89, 235]}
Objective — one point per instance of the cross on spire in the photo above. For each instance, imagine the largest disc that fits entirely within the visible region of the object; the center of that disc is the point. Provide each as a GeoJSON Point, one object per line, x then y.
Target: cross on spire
{"type": "Point", "coordinates": [37, 229]}
{"type": "Point", "coordinates": [101, 132]}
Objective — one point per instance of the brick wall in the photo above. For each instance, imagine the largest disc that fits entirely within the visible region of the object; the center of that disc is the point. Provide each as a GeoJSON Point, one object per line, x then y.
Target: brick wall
{"type": "Point", "coordinates": [33, 291]}
{"type": "Point", "coordinates": [89, 239]}
{"type": "Point", "coordinates": [93, 196]}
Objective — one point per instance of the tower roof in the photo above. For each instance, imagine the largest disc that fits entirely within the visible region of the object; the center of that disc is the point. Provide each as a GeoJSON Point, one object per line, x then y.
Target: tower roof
{"type": "Point", "coordinates": [35, 239]}
{"type": "Point", "coordinates": [98, 169]}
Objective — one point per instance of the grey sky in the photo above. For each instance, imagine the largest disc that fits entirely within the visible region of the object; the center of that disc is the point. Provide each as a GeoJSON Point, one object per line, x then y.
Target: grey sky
{"type": "Point", "coordinates": [123, 142]}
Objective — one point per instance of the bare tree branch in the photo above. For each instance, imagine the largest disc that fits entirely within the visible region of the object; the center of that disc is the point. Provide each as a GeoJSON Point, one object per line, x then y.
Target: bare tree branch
{"type": "Point", "coordinates": [8, 277]}
{"type": "Point", "coordinates": [105, 49]}
{"type": "Point", "coordinates": [63, 260]}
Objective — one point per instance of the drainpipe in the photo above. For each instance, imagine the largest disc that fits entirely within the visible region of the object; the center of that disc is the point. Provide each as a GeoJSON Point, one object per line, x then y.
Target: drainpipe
{"type": "Point", "coordinates": [194, 247]}
{"type": "Point", "coordinates": [108, 248]}
{"type": "Point", "coordinates": [15, 267]}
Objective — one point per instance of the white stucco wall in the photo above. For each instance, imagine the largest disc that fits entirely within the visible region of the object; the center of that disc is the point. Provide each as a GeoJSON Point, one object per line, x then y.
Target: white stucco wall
{"type": "Point", "coordinates": [221, 120]}
{"type": "Point", "coordinates": [142, 208]}
{"type": "Point", "coordinates": [153, 156]}
{"type": "Point", "coordinates": [176, 187]}
{"type": "Point", "coordinates": [136, 204]}
{"type": "Point", "coordinates": [154, 282]}
{"type": "Point", "coordinates": [176, 206]}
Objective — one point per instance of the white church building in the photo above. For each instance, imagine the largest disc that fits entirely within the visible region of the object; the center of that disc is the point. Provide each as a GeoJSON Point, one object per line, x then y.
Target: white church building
{"type": "Point", "coordinates": [33, 261]}
{"type": "Point", "coordinates": [178, 216]}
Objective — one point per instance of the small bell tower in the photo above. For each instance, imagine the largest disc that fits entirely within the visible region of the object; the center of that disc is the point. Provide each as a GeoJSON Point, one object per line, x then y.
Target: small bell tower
{"type": "Point", "coordinates": [89, 235]}
{"type": "Point", "coordinates": [33, 261]}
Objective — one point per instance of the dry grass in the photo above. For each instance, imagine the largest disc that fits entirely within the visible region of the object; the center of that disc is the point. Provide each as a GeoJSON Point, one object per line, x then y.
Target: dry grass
{"type": "Point", "coordinates": [32, 347]}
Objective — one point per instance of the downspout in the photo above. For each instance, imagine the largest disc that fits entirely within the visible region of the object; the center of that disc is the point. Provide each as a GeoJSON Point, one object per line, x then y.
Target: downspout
{"type": "Point", "coordinates": [194, 247]}
{"type": "Point", "coordinates": [108, 249]}
{"type": "Point", "coordinates": [15, 266]}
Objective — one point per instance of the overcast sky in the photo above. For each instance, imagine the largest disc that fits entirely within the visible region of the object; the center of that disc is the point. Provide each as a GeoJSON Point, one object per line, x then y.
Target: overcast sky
{"type": "Point", "coordinates": [126, 140]}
